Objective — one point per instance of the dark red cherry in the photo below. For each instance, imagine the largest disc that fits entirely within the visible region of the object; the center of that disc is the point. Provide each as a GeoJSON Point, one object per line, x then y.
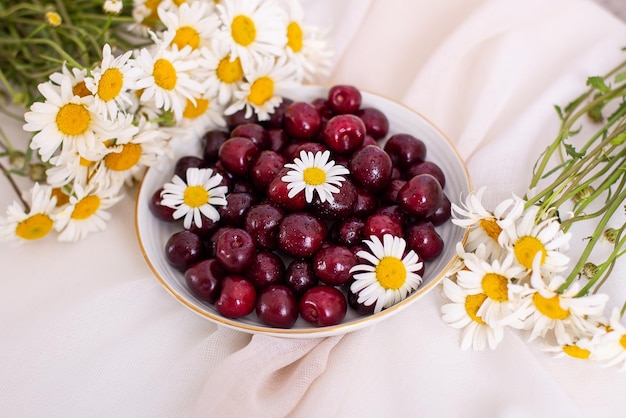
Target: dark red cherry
{"type": "Point", "coordinates": [370, 168]}
{"type": "Point", "coordinates": [237, 154]}
{"type": "Point", "coordinates": [423, 238]}
{"type": "Point", "coordinates": [261, 223]}
{"type": "Point", "coordinates": [300, 277]}
{"type": "Point", "coordinates": [183, 249]}
{"type": "Point", "coordinates": [204, 279]}
{"type": "Point", "coordinates": [426, 167]}
{"type": "Point", "coordinates": [302, 121]}
{"type": "Point", "coordinates": [323, 306]}
{"type": "Point", "coordinates": [265, 167]}
{"type": "Point", "coordinates": [164, 213]}
{"type": "Point", "coordinates": [301, 234]}
{"type": "Point", "coordinates": [332, 264]}
{"type": "Point", "coordinates": [266, 268]}
{"type": "Point", "coordinates": [405, 150]}
{"type": "Point", "coordinates": [380, 225]}
{"type": "Point", "coordinates": [420, 196]}
{"type": "Point", "coordinates": [211, 143]}
{"type": "Point", "coordinates": [235, 250]}
{"type": "Point", "coordinates": [344, 99]}
{"type": "Point", "coordinates": [237, 297]}
{"type": "Point", "coordinates": [376, 123]}
{"type": "Point", "coordinates": [277, 307]}
{"type": "Point", "coordinates": [344, 134]}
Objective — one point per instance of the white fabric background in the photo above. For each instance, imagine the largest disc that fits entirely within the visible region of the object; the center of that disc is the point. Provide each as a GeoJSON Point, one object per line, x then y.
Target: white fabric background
{"type": "Point", "coordinates": [85, 330]}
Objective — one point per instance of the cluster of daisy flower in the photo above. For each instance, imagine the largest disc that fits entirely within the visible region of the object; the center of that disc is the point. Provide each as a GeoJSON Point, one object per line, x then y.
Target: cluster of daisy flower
{"type": "Point", "coordinates": [513, 270]}
{"type": "Point", "coordinates": [97, 129]}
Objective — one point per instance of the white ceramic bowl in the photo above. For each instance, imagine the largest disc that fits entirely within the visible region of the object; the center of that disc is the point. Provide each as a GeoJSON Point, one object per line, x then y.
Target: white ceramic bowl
{"type": "Point", "coordinates": [153, 234]}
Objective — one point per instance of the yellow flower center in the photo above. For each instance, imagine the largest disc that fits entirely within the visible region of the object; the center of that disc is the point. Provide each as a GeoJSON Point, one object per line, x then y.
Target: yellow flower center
{"type": "Point", "coordinates": [314, 176]}
{"type": "Point", "coordinates": [391, 273]}
{"type": "Point", "coordinates": [125, 159]}
{"type": "Point", "coordinates": [622, 341]}
{"type": "Point", "coordinates": [164, 74]}
{"type": "Point", "coordinates": [34, 227]}
{"type": "Point", "coordinates": [193, 111]}
{"type": "Point", "coordinates": [53, 19]}
{"type": "Point", "coordinates": [179, 2]}
{"type": "Point", "coordinates": [62, 198]}
{"type": "Point", "coordinates": [153, 6]}
{"type": "Point", "coordinates": [186, 35]}
{"type": "Point", "coordinates": [195, 196]}
{"type": "Point", "coordinates": [85, 162]}
{"type": "Point", "coordinates": [229, 71]}
{"type": "Point", "coordinates": [243, 30]}
{"type": "Point", "coordinates": [80, 89]}
{"type": "Point", "coordinates": [261, 90]}
{"type": "Point", "coordinates": [73, 119]}
{"type": "Point", "coordinates": [495, 287]}
{"type": "Point", "coordinates": [473, 304]}
{"type": "Point", "coordinates": [525, 250]}
{"type": "Point", "coordinates": [110, 84]}
{"type": "Point", "coordinates": [294, 37]}
{"type": "Point", "coordinates": [86, 207]}
{"type": "Point", "coordinates": [491, 228]}
{"type": "Point", "coordinates": [576, 352]}
{"type": "Point", "coordinates": [550, 307]}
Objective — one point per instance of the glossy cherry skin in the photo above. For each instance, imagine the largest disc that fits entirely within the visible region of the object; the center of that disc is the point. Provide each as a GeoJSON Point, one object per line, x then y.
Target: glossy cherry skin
{"type": "Point", "coordinates": [379, 225]}
{"type": "Point", "coordinates": [376, 122]}
{"type": "Point", "coordinates": [235, 250]}
{"type": "Point", "coordinates": [423, 238]}
{"type": "Point", "coordinates": [420, 196]}
{"type": "Point", "coordinates": [204, 279]}
{"type": "Point", "coordinates": [344, 99]}
{"type": "Point", "coordinates": [344, 134]}
{"type": "Point", "coordinates": [332, 264]}
{"type": "Point", "coordinates": [263, 170]}
{"type": "Point", "coordinates": [370, 168]}
{"type": "Point", "coordinates": [301, 234]}
{"type": "Point", "coordinates": [253, 131]}
{"type": "Point", "coordinates": [211, 143]}
{"type": "Point", "coordinates": [302, 121]}
{"type": "Point", "coordinates": [277, 307]}
{"type": "Point", "coordinates": [237, 297]}
{"type": "Point", "coordinates": [266, 268]}
{"type": "Point", "coordinates": [262, 222]}
{"type": "Point", "coordinates": [300, 277]}
{"type": "Point", "coordinates": [405, 150]}
{"type": "Point", "coordinates": [163, 213]}
{"type": "Point", "coordinates": [237, 154]}
{"type": "Point", "coordinates": [323, 306]}
{"type": "Point", "coordinates": [426, 167]}
{"type": "Point", "coordinates": [183, 249]}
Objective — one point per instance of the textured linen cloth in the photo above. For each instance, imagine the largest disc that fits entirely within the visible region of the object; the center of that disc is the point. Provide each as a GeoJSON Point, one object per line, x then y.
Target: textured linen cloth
{"type": "Point", "coordinates": [86, 331]}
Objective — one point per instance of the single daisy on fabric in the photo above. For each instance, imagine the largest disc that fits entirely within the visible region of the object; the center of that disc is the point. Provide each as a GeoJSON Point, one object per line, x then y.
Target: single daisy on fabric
{"type": "Point", "coordinates": [495, 280]}
{"type": "Point", "coordinates": [314, 173]}
{"type": "Point", "coordinates": [196, 197]}
{"type": "Point", "coordinates": [307, 46]}
{"type": "Point", "coordinates": [462, 313]}
{"type": "Point", "coordinates": [485, 226]}
{"type": "Point", "coordinates": [112, 82]}
{"type": "Point", "coordinates": [223, 75]}
{"type": "Point", "coordinates": [252, 29]}
{"type": "Point", "coordinates": [391, 275]}
{"type": "Point", "coordinates": [612, 344]}
{"type": "Point", "coordinates": [36, 222]}
{"type": "Point", "coordinates": [526, 238]}
{"type": "Point", "coordinates": [65, 120]}
{"type": "Point", "coordinates": [86, 212]}
{"type": "Point", "coordinates": [260, 92]}
{"type": "Point", "coordinates": [191, 25]}
{"type": "Point", "coordinates": [569, 315]}
{"type": "Point", "coordinates": [166, 77]}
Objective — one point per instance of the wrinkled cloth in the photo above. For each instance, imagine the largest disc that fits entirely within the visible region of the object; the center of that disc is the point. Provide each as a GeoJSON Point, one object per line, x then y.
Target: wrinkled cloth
{"type": "Point", "coordinates": [86, 330]}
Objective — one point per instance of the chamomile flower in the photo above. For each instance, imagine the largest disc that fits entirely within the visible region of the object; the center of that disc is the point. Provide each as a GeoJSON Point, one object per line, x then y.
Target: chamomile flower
{"type": "Point", "coordinates": [86, 212]}
{"type": "Point", "coordinates": [113, 7]}
{"type": "Point", "coordinates": [612, 345]}
{"type": "Point", "coordinates": [145, 14]}
{"type": "Point", "coordinates": [192, 25]}
{"type": "Point", "coordinates": [26, 225]}
{"type": "Point", "coordinates": [69, 168]}
{"type": "Point", "coordinates": [462, 313]}
{"type": "Point", "coordinates": [526, 238]}
{"type": "Point", "coordinates": [260, 92]}
{"type": "Point", "coordinates": [129, 157]}
{"type": "Point", "coordinates": [580, 349]}
{"type": "Point", "coordinates": [76, 77]}
{"type": "Point", "coordinates": [112, 82]}
{"type": "Point", "coordinates": [391, 275]}
{"type": "Point", "coordinates": [66, 120]}
{"type": "Point", "coordinates": [166, 78]}
{"type": "Point", "coordinates": [306, 46]}
{"type": "Point", "coordinates": [545, 308]}
{"type": "Point", "coordinates": [196, 197]}
{"type": "Point", "coordinates": [223, 74]}
{"type": "Point", "coordinates": [252, 29]}
{"type": "Point", "coordinates": [495, 280]}
{"type": "Point", "coordinates": [202, 115]}
{"type": "Point", "coordinates": [485, 226]}
{"type": "Point", "coordinates": [314, 173]}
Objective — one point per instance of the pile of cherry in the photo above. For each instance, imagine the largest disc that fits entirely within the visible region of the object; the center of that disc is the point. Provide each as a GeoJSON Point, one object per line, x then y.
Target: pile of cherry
{"type": "Point", "coordinates": [284, 257]}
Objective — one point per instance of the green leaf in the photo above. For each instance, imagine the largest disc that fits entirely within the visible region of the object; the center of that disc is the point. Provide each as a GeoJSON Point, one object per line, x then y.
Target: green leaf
{"type": "Point", "coordinates": [598, 84]}
{"type": "Point", "coordinates": [559, 111]}
{"type": "Point", "coordinates": [619, 77]}
{"type": "Point", "coordinates": [571, 151]}
{"type": "Point", "coordinates": [619, 139]}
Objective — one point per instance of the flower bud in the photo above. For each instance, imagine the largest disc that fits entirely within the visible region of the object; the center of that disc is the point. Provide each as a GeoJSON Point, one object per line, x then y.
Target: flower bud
{"type": "Point", "coordinates": [611, 235]}
{"type": "Point", "coordinates": [589, 270]}
{"type": "Point", "coordinates": [37, 173]}
{"type": "Point", "coordinates": [18, 160]}
{"type": "Point", "coordinates": [113, 7]}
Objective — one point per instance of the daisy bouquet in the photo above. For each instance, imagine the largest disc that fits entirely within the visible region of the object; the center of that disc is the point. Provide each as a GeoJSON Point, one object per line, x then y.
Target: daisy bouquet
{"type": "Point", "coordinates": [109, 84]}
{"type": "Point", "coordinates": [514, 269]}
